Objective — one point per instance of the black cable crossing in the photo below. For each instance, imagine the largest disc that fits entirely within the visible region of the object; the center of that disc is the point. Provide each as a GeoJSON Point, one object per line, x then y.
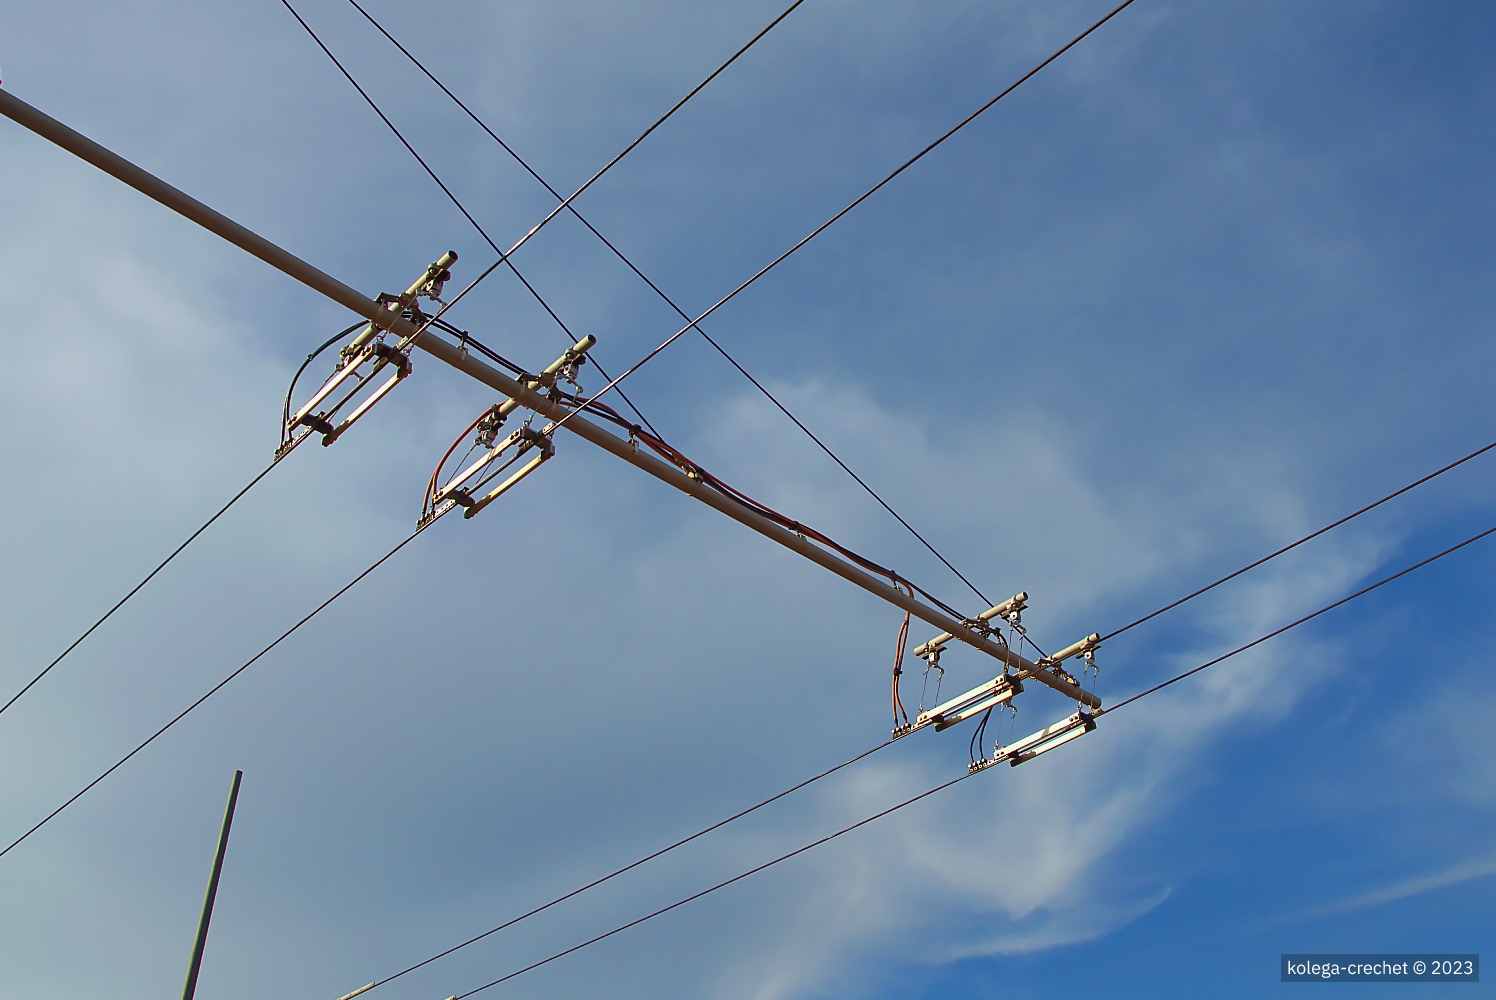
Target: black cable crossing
{"type": "Point", "coordinates": [858, 201]}
{"type": "Point", "coordinates": [567, 204]}
{"type": "Point", "coordinates": [646, 133]}
{"type": "Point", "coordinates": [503, 255]}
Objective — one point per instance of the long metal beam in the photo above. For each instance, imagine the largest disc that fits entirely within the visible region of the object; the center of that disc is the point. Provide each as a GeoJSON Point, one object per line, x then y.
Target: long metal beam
{"type": "Point", "coordinates": [155, 188]}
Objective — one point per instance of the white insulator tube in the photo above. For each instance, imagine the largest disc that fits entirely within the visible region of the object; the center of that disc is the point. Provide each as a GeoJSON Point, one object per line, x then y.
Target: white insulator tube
{"type": "Point", "coordinates": [1016, 601]}
{"type": "Point", "coordinates": [1075, 648]}
{"type": "Point", "coordinates": [1046, 739]}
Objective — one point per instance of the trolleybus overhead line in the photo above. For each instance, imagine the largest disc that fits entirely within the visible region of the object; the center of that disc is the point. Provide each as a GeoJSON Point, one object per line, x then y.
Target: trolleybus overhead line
{"type": "Point", "coordinates": [396, 325]}
{"type": "Point", "coordinates": [370, 353]}
{"type": "Point", "coordinates": [567, 203]}
{"type": "Point", "coordinates": [1015, 753]}
{"type": "Point", "coordinates": [438, 322]}
{"type": "Point", "coordinates": [215, 689]}
{"type": "Point", "coordinates": [393, 317]}
{"type": "Point", "coordinates": [390, 314]}
{"type": "Point", "coordinates": [504, 257]}
{"type": "Point", "coordinates": [1293, 545]}
{"type": "Point", "coordinates": [399, 317]}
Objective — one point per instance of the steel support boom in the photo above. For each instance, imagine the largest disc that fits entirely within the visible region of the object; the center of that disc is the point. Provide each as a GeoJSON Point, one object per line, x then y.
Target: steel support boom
{"type": "Point", "coordinates": [288, 263]}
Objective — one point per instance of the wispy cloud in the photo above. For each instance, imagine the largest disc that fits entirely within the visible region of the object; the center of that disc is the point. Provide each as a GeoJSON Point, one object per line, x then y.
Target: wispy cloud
{"type": "Point", "coordinates": [1467, 871]}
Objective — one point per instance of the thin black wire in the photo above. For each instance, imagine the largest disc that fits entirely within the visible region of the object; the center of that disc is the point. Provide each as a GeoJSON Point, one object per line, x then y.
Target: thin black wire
{"type": "Point", "coordinates": [1313, 534]}
{"type": "Point", "coordinates": [136, 589]}
{"type": "Point", "coordinates": [645, 134]}
{"type": "Point", "coordinates": [503, 256]}
{"type": "Point", "coordinates": [659, 291]}
{"type": "Point", "coordinates": [312, 357]}
{"type": "Point", "coordinates": [868, 194]}
{"type": "Point", "coordinates": [219, 686]}
{"type": "Point", "coordinates": [291, 390]}
{"type": "Point", "coordinates": [979, 736]}
{"type": "Point", "coordinates": [719, 885]}
{"type": "Point", "coordinates": [466, 339]}
{"type": "Point", "coordinates": [1308, 617]}
{"type": "Point", "coordinates": [636, 864]}
{"type": "Point", "coordinates": [941, 787]}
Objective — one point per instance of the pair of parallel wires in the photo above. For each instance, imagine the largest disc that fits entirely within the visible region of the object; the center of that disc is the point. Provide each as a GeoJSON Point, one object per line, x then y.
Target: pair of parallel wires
{"type": "Point", "coordinates": [410, 538]}
{"type": "Point", "coordinates": [899, 170]}
{"type": "Point", "coordinates": [875, 816]}
{"type": "Point", "coordinates": [803, 784]}
{"type": "Point", "coordinates": [503, 259]}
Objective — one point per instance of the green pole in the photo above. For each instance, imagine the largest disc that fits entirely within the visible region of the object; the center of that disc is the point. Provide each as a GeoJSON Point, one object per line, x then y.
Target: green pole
{"type": "Point", "coordinates": [202, 926]}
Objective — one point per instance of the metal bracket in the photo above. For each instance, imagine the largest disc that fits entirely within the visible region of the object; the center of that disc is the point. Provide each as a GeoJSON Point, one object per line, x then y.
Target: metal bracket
{"type": "Point", "coordinates": [1012, 605]}
{"type": "Point", "coordinates": [366, 347]}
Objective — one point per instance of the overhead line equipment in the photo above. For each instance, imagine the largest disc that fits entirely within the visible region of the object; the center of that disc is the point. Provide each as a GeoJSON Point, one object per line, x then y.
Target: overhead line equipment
{"type": "Point", "coordinates": [566, 203]}
{"type": "Point", "coordinates": [383, 318]}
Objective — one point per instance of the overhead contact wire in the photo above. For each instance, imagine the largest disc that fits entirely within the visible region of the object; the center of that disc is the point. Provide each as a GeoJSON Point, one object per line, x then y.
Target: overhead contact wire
{"type": "Point", "coordinates": [566, 203]}
{"type": "Point", "coordinates": [626, 868]}
{"type": "Point", "coordinates": [137, 588]}
{"type": "Point", "coordinates": [219, 686]}
{"type": "Point", "coordinates": [1293, 545]}
{"type": "Point", "coordinates": [957, 780]}
{"type": "Point", "coordinates": [720, 885]}
{"type": "Point", "coordinates": [1309, 617]}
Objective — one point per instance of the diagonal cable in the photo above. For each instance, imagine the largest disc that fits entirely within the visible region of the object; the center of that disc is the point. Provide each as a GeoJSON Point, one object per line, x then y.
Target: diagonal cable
{"type": "Point", "coordinates": [1296, 624]}
{"type": "Point", "coordinates": [647, 858]}
{"type": "Point", "coordinates": [137, 588]}
{"type": "Point", "coordinates": [1293, 545]}
{"type": "Point", "coordinates": [720, 885]}
{"type": "Point", "coordinates": [219, 686]}
{"type": "Point", "coordinates": [627, 149]}
{"type": "Point", "coordinates": [860, 199]}
{"type": "Point", "coordinates": [567, 204]}
{"type": "Point", "coordinates": [940, 788]}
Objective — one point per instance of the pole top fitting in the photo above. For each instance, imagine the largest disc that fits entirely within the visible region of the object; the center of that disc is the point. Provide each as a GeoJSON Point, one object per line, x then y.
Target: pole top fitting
{"type": "Point", "coordinates": [580, 348]}
{"type": "Point", "coordinates": [1012, 605]}
{"type": "Point", "coordinates": [1086, 645]}
{"type": "Point", "coordinates": [1015, 603]}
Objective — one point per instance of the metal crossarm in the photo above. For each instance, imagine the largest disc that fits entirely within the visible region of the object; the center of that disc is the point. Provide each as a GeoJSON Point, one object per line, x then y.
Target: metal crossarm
{"type": "Point", "coordinates": [428, 340]}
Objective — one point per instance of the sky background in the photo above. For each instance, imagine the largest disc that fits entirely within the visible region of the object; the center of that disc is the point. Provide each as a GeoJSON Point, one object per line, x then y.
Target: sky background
{"type": "Point", "coordinates": [1218, 276]}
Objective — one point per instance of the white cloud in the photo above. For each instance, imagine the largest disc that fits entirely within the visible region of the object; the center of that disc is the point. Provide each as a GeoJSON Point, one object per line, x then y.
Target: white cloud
{"type": "Point", "coordinates": [1466, 871]}
{"type": "Point", "coordinates": [1032, 857]}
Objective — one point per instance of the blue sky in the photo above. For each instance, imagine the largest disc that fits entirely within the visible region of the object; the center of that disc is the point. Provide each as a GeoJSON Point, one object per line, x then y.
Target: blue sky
{"type": "Point", "coordinates": [1218, 276]}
